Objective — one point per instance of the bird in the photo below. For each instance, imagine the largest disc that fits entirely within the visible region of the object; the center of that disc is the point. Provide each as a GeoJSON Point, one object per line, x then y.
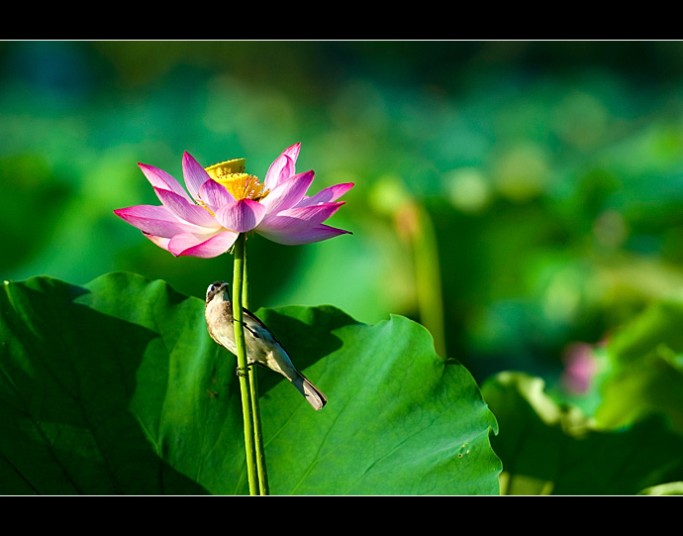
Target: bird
{"type": "Point", "coordinates": [261, 345]}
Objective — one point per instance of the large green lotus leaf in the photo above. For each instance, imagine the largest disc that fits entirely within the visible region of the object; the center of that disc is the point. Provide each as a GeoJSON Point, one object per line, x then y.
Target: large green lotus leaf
{"type": "Point", "coordinates": [645, 372]}
{"type": "Point", "coordinates": [552, 449]}
{"type": "Point", "coordinates": [116, 388]}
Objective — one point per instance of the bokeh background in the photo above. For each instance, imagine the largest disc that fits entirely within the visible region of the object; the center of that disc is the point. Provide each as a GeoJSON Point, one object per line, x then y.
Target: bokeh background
{"type": "Point", "coordinates": [520, 199]}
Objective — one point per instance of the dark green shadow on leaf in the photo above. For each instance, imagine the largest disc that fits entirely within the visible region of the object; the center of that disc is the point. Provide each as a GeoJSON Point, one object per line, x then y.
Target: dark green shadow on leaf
{"type": "Point", "coordinates": [68, 375]}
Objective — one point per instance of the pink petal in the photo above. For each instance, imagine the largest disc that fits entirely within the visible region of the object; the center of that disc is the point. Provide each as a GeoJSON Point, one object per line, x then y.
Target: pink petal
{"type": "Point", "coordinates": [215, 195]}
{"type": "Point", "coordinates": [241, 216]}
{"type": "Point", "coordinates": [186, 210]}
{"type": "Point", "coordinates": [160, 179]}
{"type": "Point", "coordinates": [327, 195]}
{"type": "Point", "coordinates": [293, 151]}
{"type": "Point", "coordinates": [300, 225]}
{"type": "Point", "coordinates": [192, 245]}
{"type": "Point", "coordinates": [155, 220]}
{"type": "Point", "coordinates": [288, 193]}
{"type": "Point", "coordinates": [282, 167]}
{"type": "Point", "coordinates": [158, 240]}
{"type": "Point", "coordinates": [306, 236]}
{"type": "Point", "coordinates": [195, 175]}
{"type": "Point", "coordinates": [296, 220]}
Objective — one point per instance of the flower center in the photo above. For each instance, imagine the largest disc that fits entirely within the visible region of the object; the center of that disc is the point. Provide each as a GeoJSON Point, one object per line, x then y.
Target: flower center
{"type": "Point", "coordinates": [230, 174]}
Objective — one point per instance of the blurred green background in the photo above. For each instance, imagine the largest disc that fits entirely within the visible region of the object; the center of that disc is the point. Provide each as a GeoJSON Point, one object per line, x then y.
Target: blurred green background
{"type": "Point", "coordinates": [518, 198]}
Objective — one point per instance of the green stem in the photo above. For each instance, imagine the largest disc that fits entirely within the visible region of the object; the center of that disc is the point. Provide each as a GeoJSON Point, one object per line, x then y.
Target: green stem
{"type": "Point", "coordinates": [258, 436]}
{"type": "Point", "coordinates": [428, 279]}
{"type": "Point", "coordinates": [255, 410]}
{"type": "Point", "coordinates": [238, 316]}
{"type": "Point", "coordinates": [245, 277]}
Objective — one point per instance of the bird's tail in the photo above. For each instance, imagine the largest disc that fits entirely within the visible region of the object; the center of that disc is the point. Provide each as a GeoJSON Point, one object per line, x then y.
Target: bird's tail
{"type": "Point", "coordinates": [313, 395]}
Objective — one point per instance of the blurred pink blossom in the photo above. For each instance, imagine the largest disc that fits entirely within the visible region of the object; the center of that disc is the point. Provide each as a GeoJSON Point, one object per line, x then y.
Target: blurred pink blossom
{"type": "Point", "coordinates": [580, 367]}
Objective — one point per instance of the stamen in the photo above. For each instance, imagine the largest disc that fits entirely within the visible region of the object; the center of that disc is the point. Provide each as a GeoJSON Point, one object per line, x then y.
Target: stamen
{"type": "Point", "coordinates": [206, 207]}
{"type": "Point", "coordinates": [243, 186]}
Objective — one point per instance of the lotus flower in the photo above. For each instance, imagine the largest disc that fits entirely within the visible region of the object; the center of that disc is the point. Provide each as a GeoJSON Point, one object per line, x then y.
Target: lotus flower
{"type": "Point", "coordinates": [225, 201]}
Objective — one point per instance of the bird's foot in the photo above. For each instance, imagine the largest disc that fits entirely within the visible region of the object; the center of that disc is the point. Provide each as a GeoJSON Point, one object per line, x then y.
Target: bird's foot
{"type": "Point", "coordinates": [242, 371]}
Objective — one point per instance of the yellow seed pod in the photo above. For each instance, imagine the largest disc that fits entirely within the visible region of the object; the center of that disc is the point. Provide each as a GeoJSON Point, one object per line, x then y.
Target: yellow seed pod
{"type": "Point", "coordinates": [222, 169]}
